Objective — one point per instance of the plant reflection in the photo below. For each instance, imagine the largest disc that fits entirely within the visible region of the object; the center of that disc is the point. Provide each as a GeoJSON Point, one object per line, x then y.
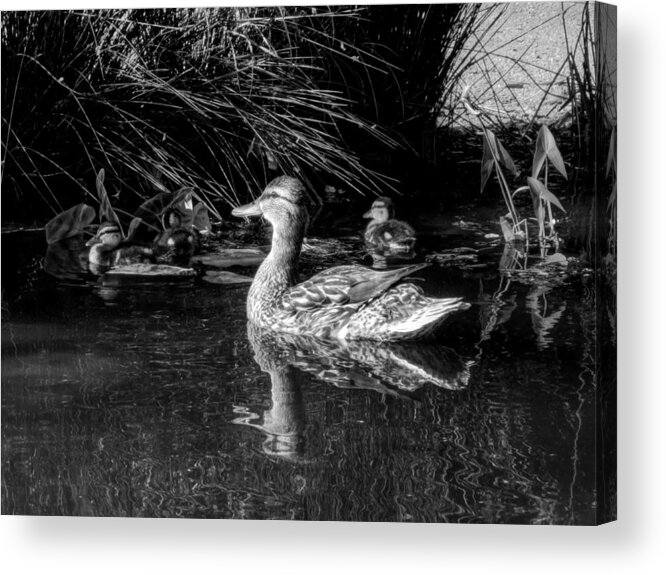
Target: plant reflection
{"type": "Point", "coordinates": [541, 278]}
{"type": "Point", "coordinates": [543, 320]}
{"type": "Point", "coordinates": [66, 259]}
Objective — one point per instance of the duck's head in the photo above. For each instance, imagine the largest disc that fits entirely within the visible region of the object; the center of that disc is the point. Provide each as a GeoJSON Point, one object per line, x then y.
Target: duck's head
{"type": "Point", "coordinates": [108, 234]}
{"type": "Point", "coordinates": [381, 210]}
{"type": "Point", "coordinates": [281, 203]}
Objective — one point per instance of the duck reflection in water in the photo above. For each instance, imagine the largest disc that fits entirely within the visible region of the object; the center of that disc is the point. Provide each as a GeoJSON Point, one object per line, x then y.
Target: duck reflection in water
{"type": "Point", "coordinates": [399, 370]}
{"type": "Point", "coordinates": [284, 423]}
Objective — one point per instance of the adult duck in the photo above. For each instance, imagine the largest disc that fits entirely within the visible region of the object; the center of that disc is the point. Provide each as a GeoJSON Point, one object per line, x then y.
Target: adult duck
{"type": "Point", "coordinates": [344, 302]}
{"type": "Point", "coordinates": [384, 233]}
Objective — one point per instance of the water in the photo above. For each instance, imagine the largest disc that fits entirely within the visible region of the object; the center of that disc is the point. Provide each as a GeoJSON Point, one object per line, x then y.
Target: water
{"type": "Point", "coordinates": [160, 401]}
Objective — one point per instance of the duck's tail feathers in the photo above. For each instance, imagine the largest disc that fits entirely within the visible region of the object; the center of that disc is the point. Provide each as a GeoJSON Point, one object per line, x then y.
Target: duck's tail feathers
{"type": "Point", "coordinates": [426, 319]}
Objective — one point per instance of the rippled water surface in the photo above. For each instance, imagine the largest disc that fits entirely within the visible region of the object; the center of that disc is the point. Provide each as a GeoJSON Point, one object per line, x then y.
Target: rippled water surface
{"type": "Point", "coordinates": [158, 401]}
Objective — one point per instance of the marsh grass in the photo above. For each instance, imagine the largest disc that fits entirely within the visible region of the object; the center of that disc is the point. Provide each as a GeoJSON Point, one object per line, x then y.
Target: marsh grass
{"type": "Point", "coordinates": [172, 98]}
{"type": "Point", "coordinates": [592, 96]}
{"type": "Point", "coordinates": [219, 100]}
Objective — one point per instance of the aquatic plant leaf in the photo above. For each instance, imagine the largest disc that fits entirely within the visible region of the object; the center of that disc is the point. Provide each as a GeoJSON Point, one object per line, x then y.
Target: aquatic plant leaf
{"type": "Point", "coordinates": [551, 198]}
{"type": "Point", "coordinates": [106, 211]}
{"type": "Point", "coordinates": [66, 259]}
{"type": "Point", "coordinates": [535, 187]}
{"type": "Point", "coordinates": [200, 218]}
{"type": "Point", "coordinates": [69, 223]}
{"type": "Point", "coordinates": [506, 159]}
{"type": "Point", "coordinates": [494, 150]}
{"type": "Point", "coordinates": [154, 207]}
{"type": "Point", "coordinates": [541, 192]}
{"type": "Point", "coordinates": [546, 147]}
{"type": "Point", "coordinates": [134, 224]}
{"type": "Point", "coordinates": [486, 161]}
{"type": "Point", "coordinates": [507, 229]}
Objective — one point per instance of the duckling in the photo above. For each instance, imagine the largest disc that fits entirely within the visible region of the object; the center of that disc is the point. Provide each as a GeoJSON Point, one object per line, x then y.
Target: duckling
{"type": "Point", "coordinates": [176, 244]}
{"type": "Point", "coordinates": [343, 302]}
{"type": "Point", "coordinates": [103, 246]}
{"type": "Point", "coordinates": [108, 249]}
{"type": "Point", "coordinates": [130, 253]}
{"type": "Point", "coordinates": [384, 233]}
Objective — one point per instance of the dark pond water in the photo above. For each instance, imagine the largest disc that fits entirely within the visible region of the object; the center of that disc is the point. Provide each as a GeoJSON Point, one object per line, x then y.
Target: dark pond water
{"type": "Point", "coordinates": [158, 401]}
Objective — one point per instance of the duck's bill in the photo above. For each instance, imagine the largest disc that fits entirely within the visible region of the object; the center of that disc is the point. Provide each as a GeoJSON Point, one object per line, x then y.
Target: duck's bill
{"type": "Point", "coordinates": [368, 214]}
{"type": "Point", "coordinates": [247, 210]}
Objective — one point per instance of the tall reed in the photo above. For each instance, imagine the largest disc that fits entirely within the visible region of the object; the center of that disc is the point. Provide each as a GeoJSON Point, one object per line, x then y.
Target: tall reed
{"type": "Point", "coordinates": [218, 99]}
{"type": "Point", "coordinates": [214, 99]}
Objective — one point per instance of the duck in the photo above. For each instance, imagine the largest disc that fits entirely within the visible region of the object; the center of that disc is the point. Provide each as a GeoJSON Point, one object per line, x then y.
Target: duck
{"type": "Point", "coordinates": [108, 249]}
{"type": "Point", "coordinates": [384, 233]}
{"type": "Point", "coordinates": [177, 243]}
{"type": "Point", "coordinates": [346, 302]}
{"type": "Point", "coordinates": [104, 244]}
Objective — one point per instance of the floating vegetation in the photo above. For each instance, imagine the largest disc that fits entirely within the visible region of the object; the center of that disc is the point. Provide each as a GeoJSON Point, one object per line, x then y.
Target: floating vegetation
{"type": "Point", "coordinates": [551, 270]}
{"type": "Point", "coordinates": [459, 257]}
{"type": "Point", "coordinates": [138, 273]}
{"type": "Point", "coordinates": [230, 257]}
{"type": "Point", "coordinates": [219, 277]}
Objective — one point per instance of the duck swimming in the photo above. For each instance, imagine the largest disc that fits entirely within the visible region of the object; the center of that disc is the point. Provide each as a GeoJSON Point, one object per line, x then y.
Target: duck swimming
{"type": "Point", "coordinates": [384, 233]}
{"type": "Point", "coordinates": [103, 245]}
{"type": "Point", "coordinates": [176, 244]}
{"type": "Point", "coordinates": [343, 302]}
{"type": "Point", "coordinates": [108, 249]}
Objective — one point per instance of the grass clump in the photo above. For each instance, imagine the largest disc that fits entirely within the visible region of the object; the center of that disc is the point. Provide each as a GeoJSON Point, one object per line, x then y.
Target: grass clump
{"type": "Point", "coordinates": [216, 99]}
{"type": "Point", "coordinates": [212, 99]}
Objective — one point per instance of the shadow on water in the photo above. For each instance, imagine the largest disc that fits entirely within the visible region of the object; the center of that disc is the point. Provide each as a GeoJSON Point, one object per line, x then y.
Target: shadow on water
{"type": "Point", "coordinates": [158, 400]}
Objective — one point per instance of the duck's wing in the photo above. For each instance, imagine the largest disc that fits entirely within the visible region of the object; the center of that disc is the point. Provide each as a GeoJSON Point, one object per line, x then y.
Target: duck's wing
{"type": "Point", "coordinates": [341, 285]}
{"type": "Point", "coordinates": [404, 229]}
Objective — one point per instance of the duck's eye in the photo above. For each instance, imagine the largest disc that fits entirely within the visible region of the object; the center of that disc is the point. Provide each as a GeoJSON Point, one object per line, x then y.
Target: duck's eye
{"type": "Point", "coordinates": [189, 239]}
{"type": "Point", "coordinates": [170, 241]}
{"type": "Point", "coordinates": [274, 195]}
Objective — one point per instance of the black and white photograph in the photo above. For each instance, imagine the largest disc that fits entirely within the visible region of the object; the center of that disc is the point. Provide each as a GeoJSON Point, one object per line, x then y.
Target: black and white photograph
{"type": "Point", "coordinates": [311, 263]}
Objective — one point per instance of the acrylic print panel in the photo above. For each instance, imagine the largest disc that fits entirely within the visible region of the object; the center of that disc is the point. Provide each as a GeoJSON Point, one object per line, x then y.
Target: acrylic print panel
{"type": "Point", "coordinates": [157, 360]}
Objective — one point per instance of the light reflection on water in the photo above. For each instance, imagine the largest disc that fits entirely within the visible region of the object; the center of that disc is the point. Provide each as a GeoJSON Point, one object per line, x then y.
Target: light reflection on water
{"type": "Point", "coordinates": [160, 401]}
